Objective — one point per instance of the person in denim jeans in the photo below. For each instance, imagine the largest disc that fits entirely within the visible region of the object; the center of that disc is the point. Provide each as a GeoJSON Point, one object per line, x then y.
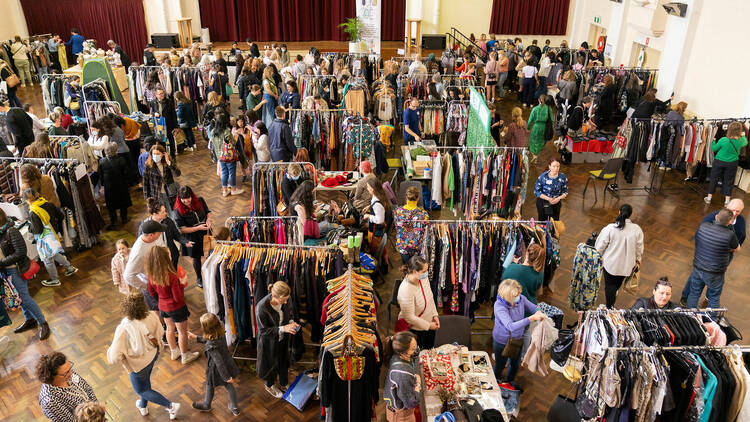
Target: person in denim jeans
{"type": "Point", "coordinates": [714, 244]}
{"type": "Point", "coordinates": [13, 263]}
{"type": "Point", "coordinates": [228, 165]}
{"type": "Point", "coordinates": [136, 346]}
{"type": "Point", "coordinates": [510, 323]}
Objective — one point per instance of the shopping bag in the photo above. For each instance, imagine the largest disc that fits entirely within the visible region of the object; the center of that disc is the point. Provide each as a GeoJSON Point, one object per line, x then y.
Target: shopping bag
{"type": "Point", "coordinates": [631, 283]}
{"type": "Point", "coordinates": [299, 393]}
{"type": "Point", "coordinates": [11, 298]}
{"type": "Point", "coordinates": [47, 244]}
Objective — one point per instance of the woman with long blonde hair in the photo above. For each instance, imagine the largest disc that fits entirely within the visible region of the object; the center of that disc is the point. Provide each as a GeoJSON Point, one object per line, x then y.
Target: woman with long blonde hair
{"type": "Point", "coordinates": [270, 94]}
{"type": "Point", "coordinates": [168, 284]}
{"type": "Point", "coordinates": [516, 135]}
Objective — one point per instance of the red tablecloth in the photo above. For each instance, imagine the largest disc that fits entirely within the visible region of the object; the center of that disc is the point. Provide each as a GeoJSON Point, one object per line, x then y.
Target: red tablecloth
{"type": "Point", "coordinates": [591, 145]}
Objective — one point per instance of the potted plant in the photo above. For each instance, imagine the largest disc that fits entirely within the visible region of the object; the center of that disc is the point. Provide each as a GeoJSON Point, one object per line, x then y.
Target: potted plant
{"type": "Point", "coordinates": [352, 28]}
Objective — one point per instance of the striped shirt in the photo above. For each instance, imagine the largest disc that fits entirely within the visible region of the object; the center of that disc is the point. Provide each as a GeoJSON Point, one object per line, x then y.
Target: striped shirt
{"type": "Point", "coordinates": [713, 247]}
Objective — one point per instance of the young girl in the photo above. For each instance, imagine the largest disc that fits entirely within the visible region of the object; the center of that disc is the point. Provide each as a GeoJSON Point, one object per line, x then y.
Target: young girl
{"type": "Point", "coordinates": [118, 265]}
{"type": "Point", "coordinates": [221, 369]}
{"type": "Point", "coordinates": [168, 284]}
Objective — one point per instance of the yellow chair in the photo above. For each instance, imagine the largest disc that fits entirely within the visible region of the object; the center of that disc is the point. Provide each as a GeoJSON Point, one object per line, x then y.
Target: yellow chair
{"type": "Point", "coordinates": [608, 174]}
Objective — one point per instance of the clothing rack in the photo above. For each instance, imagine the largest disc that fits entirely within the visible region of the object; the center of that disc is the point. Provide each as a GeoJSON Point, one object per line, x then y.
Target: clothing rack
{"type": "Point", "coordinates": [487, 221]}
{"type": "Point", "coordinates": [742, 348]}
{"type": "Point", "coordinates": [89, 120]}
{"type": "Point", "coordinates": [475, 147]}
{"type": "Point", "coordinates": [44, 160]}
{"type": "Point", "coordinates": [657, 311]}
{"type": "Point", "coordinates": [45, 93]}
{"type": "Point", "coordinates": [254, 217]}
{"type": "Point", "coordinates": [272, 245]}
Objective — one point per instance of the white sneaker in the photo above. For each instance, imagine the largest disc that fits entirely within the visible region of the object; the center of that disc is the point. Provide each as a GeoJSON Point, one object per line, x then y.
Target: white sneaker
{"type": "Point", "coordinates": [272, 390]}
{"type": "Point", "coordinates": [189, 357]}
{"type": "Point", "coordinates": [143, 410]}
{"type": "Point", "coordinates": [175, 354]}
{"type": "Point", "coordinates": [173, 411]}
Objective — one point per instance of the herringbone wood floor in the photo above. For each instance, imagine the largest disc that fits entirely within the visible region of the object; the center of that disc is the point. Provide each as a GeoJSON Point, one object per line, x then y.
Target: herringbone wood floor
{"type": "Point", "coordinates": [83, 311]}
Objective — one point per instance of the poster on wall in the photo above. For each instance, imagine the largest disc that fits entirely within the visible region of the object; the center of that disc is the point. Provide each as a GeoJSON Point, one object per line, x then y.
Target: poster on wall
{"type": "Point", "coordinates": [368, 12]}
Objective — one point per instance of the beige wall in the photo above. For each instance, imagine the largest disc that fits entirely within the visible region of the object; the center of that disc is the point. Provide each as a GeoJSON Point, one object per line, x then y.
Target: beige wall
{"type": "Point", "coordinates": [14, 22]}
{"type": "Point", "coordinates": [162, 15]}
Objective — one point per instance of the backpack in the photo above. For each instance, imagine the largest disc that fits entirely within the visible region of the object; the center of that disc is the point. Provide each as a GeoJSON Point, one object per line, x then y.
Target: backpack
{"type": "Point", "coordinates": [228, 153]}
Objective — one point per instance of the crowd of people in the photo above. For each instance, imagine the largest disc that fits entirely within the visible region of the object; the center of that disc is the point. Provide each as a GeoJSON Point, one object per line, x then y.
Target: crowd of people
{"type": "Point", "coordinates": [154, 310]}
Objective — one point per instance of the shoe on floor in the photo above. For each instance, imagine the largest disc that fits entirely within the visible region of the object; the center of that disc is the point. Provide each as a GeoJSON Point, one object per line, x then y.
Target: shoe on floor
{"type": "Point", "coordinates": [189, 357]}
{"type": "Point", "coordinates": [683, 302]}
{"type": "Point", "coordinates": [51, 283]}
{"type": "Point", "coordinates": [272, 390]}
{"type": "Point", "coordinates": [174, 354]}
{"type": "Point", "coordinates": [143, 410]}
{"type": "Point", "coordinates": [173, 409]}
{"type": "Point", "coordinates": [70, 271]}
{"type": "Point", "coordinates": [237, 191]}
{"type": "Point", "coordinates": [44, 331]}
{"type": "Point", "coordinates": [235, 411]}
{"type": "Point", "coordinates": [224, 192]}
{"type": "Point", "coordinates": [26, 326]}
{"type": "Point", "coordinates": [199, 282]}
{"type": "Point", "coordinates": [201, 406]}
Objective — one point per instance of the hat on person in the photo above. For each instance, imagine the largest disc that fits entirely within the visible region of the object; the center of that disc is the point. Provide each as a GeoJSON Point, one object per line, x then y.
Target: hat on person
{"type": "Point", "coordinates": [151, 226]}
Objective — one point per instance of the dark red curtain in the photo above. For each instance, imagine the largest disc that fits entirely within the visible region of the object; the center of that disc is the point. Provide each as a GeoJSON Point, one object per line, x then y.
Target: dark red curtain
{"type": "Point", "coordinates": [529, 17]}
{"type": "Point", "coordinates": [293, 20]}
{"type": "Point", "coordinates": [393, 20]}
{"type": "Point", "coordinates": [220, 17]}
{"type": "Point", "coordinates": [120, 20]}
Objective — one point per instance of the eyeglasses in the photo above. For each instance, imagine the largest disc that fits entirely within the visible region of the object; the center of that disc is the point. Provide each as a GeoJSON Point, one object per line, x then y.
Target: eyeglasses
{"type": "Point", "coordinates": [67, 373]}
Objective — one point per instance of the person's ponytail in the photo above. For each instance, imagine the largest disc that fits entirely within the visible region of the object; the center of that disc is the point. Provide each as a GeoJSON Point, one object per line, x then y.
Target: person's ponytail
{"type": "Point", "coordinates": [397, 344]}
{"type": "Point", "coordinates": [625, 212]}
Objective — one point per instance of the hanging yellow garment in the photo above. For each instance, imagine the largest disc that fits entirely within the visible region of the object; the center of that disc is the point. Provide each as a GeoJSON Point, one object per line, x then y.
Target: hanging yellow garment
{"type": "Point", "coordinates": [63, 57]}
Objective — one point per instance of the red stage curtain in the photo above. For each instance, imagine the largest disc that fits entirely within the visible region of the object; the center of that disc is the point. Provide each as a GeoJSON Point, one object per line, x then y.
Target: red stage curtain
{"type": "Point", "coordinates": [529, 17]}
{"type": "Point", "coordinates": [120, 20]}
{"type": "Point", "coordinates": [293, 20]}
{"type": "Point", "coordinates": [393, 20]}
{"type": "Point", "coordinates": [220, 17]}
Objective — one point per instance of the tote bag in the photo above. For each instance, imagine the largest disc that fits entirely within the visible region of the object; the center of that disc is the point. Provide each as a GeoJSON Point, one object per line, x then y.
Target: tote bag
{"type": "Point", "coordinates": [47, 244]}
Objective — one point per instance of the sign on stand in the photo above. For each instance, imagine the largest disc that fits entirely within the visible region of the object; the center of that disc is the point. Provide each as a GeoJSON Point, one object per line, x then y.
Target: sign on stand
{"type": "Point", "coordinates": [368, 12]}
{"type": "Point", "coordinates": [478, 130]}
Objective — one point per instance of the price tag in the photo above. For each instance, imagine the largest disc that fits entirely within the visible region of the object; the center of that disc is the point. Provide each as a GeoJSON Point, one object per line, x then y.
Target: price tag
{"type": "Point", "coordinates": [80, 171]}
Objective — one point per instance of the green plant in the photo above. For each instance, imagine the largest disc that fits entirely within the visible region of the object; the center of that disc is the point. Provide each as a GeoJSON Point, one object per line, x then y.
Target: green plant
{"type": "Point", "coordinates": [352, 26]}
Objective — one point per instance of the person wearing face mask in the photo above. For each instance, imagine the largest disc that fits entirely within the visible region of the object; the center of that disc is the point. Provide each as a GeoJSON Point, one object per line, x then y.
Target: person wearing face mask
{"type": "Point", "coordinates": [418, 312]}
{"type": "Point", "coordinates": [401, 392]}
{"type": "Point", "coordinates": [158, 177]}
{"type": "Point", "coordinates": [660, 299]}
{"type": "Point", "coordinates": [510, 322]}
{"type": "Point", "coordinates": [291, 180]}
{"type": "Point", "coordinates": [284, 57]}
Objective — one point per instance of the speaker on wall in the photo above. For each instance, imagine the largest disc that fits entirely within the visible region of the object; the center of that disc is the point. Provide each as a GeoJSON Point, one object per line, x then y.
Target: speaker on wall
{"type": "Point", "coordinates": [433, 42]}
{"type": "Point", "coordinates": [165, 40]}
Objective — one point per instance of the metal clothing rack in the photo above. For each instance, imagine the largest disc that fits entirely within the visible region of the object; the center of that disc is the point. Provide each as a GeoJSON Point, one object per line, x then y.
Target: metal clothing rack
{"type": "Point", "coordinates": [487, 221]}
{"type": "Point", "coordinates": [255, 217]}
{"type": "Point", "coordinates": [274, 245]}
{"type": "Point", "coordinates": [89, 120]}
{"type": "Point", "coordinates": [46, 76]}
{"type": "Point", "coordinates": [656, 311]}
{"type": "Point", "coordinates": [281, 164]}
{"type": "Point", "coordinates": [741, 348]}
{"type": "Point", "coordinates": [43, 160]}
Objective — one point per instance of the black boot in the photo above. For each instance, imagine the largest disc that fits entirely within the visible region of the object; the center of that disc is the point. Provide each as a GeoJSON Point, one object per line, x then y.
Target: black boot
{"type": "Point", "coordinates": [26, 326]}
{"type": "Point", "coordinates": [200, 283]}
{"type": "Point", "coordinates": [44, 331]}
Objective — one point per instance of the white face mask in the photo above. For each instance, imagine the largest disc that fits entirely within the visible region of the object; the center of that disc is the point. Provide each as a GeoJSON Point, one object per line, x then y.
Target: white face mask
{"type": "Point", "coordinates": [157, 158]}
{"type": "Point", "coordinates": [95, 132]}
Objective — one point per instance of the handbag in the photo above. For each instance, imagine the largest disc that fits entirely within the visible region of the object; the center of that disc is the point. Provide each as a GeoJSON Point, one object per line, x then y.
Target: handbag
{"type": "Point", "coordinates": [12, 80]}
{"type": "Point", "coordinates": [208, 242]}
{"type": "Point", "coordinates": [401, 324]}
{"type": "Point", "coordinates": [228, 89]}
{"type": "Point", "coordinates": [513, 347]}
{"type": "Point", "coordinates": [11, 298]}
{"type": "Point", "coordinates": [31, 272]}
{"type": "Point", "coordinates": [561, 348]}
{"type": "Point", "coordinates": [299, 393]}
{"type": "Point", "coordinates": [732, 333]}
{"type": "Point", "coordinates": [179, 136]}
{"type": "Point", "coordinates": [632, 281]}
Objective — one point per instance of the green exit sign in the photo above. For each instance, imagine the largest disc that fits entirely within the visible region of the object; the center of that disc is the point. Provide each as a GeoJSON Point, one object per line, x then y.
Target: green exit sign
{"type": "Point", "coordinates": [596, 19]}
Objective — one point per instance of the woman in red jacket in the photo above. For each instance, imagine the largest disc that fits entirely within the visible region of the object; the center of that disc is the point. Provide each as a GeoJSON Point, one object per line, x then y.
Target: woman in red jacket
{"type": "Point", "coordinates": [168, 284]}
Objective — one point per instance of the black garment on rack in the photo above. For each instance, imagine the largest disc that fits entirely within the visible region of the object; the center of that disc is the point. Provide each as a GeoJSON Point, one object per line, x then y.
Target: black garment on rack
{"type": "Point", "coordinates": [349, 401]}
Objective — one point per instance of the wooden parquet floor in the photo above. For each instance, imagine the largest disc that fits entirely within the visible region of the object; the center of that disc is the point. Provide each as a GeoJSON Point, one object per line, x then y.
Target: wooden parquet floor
{"type": "Point", "coordinates": [83, 311]}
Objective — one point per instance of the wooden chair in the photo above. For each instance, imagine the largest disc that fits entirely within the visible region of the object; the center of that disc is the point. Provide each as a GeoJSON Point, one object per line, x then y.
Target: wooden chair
{"type": "Point", "coordinates": [608, 175]}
